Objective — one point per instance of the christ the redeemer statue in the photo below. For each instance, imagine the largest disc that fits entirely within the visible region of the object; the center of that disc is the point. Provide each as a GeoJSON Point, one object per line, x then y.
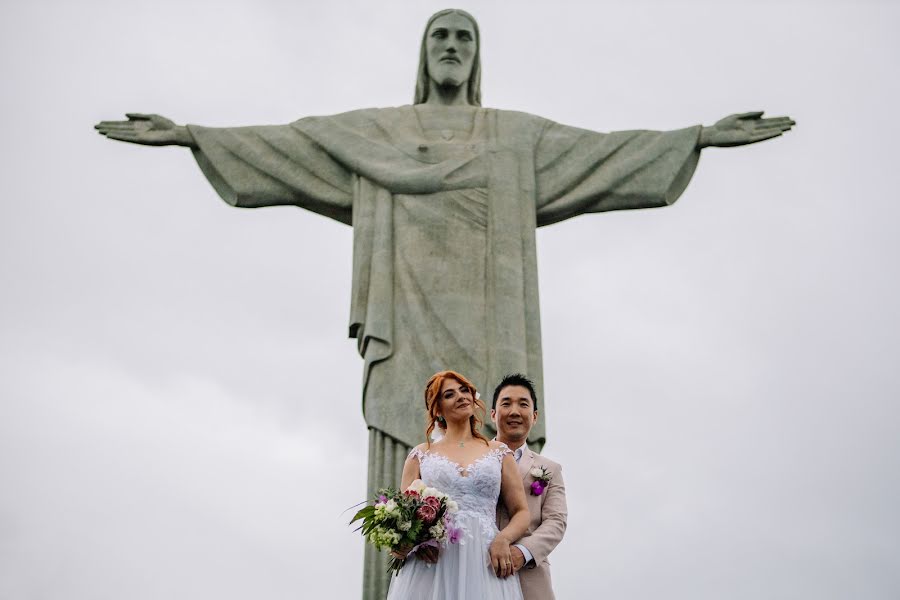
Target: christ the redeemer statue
{"type": "Point", "coordinates": [444, 197]}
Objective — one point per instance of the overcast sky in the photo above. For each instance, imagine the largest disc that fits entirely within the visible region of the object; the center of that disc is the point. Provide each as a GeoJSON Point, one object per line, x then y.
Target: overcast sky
{"type": "Point", "coordinates": [180, 406]}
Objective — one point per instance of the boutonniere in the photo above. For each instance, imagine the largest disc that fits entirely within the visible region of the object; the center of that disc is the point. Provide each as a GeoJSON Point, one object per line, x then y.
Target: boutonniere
{"type": "Point", "coordinates": [541, 480]}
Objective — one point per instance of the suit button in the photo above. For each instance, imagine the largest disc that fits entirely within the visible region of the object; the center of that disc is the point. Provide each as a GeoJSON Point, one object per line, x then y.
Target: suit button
{"type": "Point", "coordinates": [423, 148]}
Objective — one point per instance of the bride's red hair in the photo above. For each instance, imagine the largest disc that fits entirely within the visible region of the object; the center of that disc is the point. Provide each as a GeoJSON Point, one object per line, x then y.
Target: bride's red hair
{"type": "Point", "coordinates": [432, 394]}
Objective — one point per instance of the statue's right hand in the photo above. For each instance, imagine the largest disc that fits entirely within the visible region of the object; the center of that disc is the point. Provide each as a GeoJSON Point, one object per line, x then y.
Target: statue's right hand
{"type": "Point", "coordinates": [150, 130]}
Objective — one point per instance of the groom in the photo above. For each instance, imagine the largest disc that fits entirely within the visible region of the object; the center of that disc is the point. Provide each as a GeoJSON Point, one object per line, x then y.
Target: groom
{"type": "Point", "coordinates": [514, 411]}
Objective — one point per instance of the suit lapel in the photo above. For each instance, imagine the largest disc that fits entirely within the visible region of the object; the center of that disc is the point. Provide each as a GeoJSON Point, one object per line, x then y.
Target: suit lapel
{"type": "Point", "coordinates": [526, 462]}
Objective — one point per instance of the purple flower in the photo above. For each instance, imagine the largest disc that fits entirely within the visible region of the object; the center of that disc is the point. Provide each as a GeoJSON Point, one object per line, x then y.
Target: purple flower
{"type": "Point", "coordinates": [537, 488]}
{"type": "Point", "coordinates": [382, 498]}
{"type": "Point", "coordinates": [453, 535]}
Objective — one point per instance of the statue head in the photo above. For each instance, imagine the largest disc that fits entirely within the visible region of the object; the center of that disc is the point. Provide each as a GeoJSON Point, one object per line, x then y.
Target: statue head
{"type": "Point", "coordinates": [450, 55]}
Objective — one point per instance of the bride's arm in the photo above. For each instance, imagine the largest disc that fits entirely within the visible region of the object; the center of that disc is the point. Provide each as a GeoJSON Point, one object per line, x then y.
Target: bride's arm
{"type": "Point", "coordinates": [513, 494]}
{"type": "Point", "coordinates": [410, 471]}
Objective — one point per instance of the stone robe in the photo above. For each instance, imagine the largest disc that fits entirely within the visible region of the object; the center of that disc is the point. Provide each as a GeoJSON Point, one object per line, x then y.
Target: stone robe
{"type": "Point", "coordinates": [444, 261]}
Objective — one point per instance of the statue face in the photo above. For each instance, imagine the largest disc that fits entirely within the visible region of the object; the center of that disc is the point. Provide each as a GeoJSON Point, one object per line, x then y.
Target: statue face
{"type": "Point", "coordinates": [451, 47]}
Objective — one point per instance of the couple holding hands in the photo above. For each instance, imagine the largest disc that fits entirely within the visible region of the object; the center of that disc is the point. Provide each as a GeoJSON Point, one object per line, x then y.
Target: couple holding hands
{"type": "Point", "coordinates": [512, 500]}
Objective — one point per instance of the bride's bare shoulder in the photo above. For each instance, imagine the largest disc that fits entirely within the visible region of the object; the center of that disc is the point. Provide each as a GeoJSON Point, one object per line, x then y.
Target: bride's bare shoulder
{"type": "Point", "coordinates": [495, 445]}
{"type": "Point", "coordinates": [424, 447]}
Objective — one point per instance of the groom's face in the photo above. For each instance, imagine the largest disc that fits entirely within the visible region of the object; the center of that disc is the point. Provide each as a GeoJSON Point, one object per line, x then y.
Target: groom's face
{"type": "Point", "coordinates": [514, 414]}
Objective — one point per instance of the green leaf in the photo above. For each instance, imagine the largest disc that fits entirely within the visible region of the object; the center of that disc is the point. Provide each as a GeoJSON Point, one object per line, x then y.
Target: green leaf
{"type": "Point", "coordinates": [364, 512]}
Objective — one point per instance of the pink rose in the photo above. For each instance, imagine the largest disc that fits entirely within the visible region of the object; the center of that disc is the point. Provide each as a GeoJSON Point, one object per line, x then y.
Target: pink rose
{"type": "Point", "coordinates": [427, 513]}
{"type": "Point", "coordinates": [411, 493]}
{"type": "Point", "coordinates": [433, 502]}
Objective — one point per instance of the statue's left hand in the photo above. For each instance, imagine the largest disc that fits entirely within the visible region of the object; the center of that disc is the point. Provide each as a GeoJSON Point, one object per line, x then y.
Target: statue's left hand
{"type": "Point", "coordinates": [744, 128]}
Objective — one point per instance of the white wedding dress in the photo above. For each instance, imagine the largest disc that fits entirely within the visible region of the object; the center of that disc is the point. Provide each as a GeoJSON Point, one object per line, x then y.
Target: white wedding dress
{"type": "Point", "coordinates": [463, 571]}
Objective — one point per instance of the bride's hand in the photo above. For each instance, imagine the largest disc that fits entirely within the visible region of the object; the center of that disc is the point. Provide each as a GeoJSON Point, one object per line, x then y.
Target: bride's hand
{"type": "Point", "coordinates": [428, 553]}
{"type": "Point", "coordinates": [401, 551]}
{"type": "Point", "coordinates": [501, 557]}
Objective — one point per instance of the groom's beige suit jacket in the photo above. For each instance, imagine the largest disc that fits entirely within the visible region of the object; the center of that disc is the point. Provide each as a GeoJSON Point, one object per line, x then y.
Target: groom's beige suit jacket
{"type": "Point", "coordinates": [548, 524]}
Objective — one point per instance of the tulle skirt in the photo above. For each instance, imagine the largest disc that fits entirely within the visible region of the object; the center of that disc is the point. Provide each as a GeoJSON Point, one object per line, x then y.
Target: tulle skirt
{"type": "Point", "coordinates": [463, 572]}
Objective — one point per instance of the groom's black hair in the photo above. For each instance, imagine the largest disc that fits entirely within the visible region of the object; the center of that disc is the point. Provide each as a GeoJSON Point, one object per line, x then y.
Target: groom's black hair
{"type": "Point", "coordinates": [515, 379]}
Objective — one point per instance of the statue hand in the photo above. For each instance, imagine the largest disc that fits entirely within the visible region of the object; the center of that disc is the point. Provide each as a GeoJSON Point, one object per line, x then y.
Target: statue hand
{"type": "Point", "coordinates": [150, 130]}
{"type": "Point", "coordinates": [745, 128]}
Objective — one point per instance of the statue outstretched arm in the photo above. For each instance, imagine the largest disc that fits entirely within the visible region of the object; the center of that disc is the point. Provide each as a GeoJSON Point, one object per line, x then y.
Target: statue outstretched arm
{"type": "Point", "coordinates": [743, 128]}
{"type": "Point", "coordinates": [580, 171]}
{"type": "Point", "coordinates": [250, 167]}
{"type": "Point", "coordinates": [149, 130]}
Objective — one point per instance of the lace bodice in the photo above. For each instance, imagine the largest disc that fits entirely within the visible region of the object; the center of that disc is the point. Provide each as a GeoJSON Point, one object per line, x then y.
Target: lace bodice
{"type": "Point", "coordinates": [475, 488]}
{"type": "Point", "coordinates": [464, 568]}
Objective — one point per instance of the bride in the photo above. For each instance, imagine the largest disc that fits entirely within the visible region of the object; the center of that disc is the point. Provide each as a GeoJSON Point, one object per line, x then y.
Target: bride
{"type": "Point", "coordinates": [475, 472]}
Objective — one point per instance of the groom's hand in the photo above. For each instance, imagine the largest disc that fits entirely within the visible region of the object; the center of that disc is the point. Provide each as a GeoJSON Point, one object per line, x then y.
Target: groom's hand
{"type": "Point", "coordinates": [518, 559]}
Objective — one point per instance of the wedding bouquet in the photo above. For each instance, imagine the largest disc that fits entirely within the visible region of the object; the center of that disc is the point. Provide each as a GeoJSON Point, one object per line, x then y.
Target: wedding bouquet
{"type": "Point", "coordinates": [419, 516]}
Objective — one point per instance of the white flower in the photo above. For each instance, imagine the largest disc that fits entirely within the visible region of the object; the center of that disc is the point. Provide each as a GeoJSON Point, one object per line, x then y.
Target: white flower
{"type": "Point", "coordinates": [452, 506]}
{"type": "Point", "coordinates": [417, 486]}
{"type": "Point", "coordinates": [437, 532]}
{"type": "Point", "coordinates": [391, 508]}
{"type": "Point", "coordinates": [404, 526]}
{"type": "Point", "coordinates": [537, 473]}
{"type": "Point", "coordinates": [433, 493]}
{"type": "Point", "coordinates": [380, 514]}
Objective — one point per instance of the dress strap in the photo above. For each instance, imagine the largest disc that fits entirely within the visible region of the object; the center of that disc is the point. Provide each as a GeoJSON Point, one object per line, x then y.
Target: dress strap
{"type": "Point", "coordinates": [502, 451]}
{"type": "Point", "coordinates": [415, 452]}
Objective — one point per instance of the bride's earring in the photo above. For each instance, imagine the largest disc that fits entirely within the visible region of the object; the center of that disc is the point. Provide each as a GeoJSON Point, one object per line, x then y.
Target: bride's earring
{"type": "Point", "coordinates": [442, 422]}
